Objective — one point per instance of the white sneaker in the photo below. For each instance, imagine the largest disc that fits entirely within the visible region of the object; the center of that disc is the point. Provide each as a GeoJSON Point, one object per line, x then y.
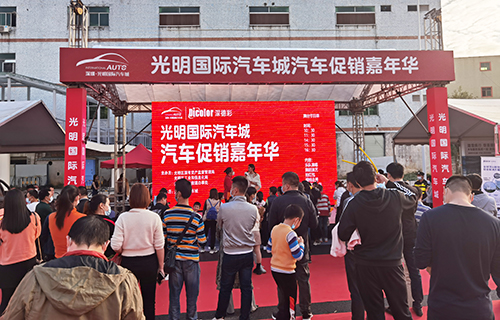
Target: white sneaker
{"type": "Point", "coordinates": [217, 318]}
{"type": "Point", "coordinates": [309, 318]}
{"type": "Point", "coordinates": [202, 250]}
{"type": "Point", "coordinates": [212, 251]}
{"type": "Point", "coordinates": [166, 277]}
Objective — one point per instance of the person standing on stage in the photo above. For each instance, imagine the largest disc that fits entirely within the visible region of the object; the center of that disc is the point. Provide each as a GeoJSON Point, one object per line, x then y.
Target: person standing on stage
{"type": "Point", "coordinates": [377, 213]}
{"type": "Point", "coordinates": [228, 181]}
{"type": "Point", "coordinates": [253, 177]}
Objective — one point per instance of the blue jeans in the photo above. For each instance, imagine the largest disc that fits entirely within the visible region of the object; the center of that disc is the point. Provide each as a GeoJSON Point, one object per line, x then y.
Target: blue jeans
{"type": "Point", "coordinates": [232, 264]}
{"type": "Point", "coordinates": [187, 272]}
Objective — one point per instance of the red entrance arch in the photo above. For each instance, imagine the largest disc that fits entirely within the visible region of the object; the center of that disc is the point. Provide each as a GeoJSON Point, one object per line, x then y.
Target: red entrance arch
{"type": "Point", "coordinates": [389, 72]}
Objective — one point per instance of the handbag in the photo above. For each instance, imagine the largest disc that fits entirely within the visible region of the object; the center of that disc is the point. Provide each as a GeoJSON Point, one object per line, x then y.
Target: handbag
{"type": "Point", "coordinates": [170, 252]}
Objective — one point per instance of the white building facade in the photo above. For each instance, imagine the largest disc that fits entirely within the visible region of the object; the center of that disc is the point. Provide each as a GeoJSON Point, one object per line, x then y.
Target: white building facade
{"type": "Point", "coordinates": [33, 31]}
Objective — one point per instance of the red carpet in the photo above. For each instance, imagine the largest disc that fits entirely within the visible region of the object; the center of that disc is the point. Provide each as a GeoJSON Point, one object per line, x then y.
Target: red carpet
{"type": "Point", "coordinates": [328, 283]}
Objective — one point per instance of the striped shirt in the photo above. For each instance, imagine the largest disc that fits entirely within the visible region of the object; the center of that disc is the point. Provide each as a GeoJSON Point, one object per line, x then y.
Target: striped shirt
{"type": "Point", "coordinates": [324, 206]}
{"type": "Point", "coordinates": [281, 261]}
{"type": "Point", "coordinates": [174, 223]}
{"type": "Point", "coordinates": [421, 208]}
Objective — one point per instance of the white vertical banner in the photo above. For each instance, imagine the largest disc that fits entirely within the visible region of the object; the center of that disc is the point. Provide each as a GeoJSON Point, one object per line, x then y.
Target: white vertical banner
{"type": "Point", "coordinates": [490, 172]}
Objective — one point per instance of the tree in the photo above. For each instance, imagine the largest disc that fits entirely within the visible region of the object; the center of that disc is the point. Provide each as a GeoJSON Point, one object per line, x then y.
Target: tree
{"type": "Point", "coordinates": [459, 94]}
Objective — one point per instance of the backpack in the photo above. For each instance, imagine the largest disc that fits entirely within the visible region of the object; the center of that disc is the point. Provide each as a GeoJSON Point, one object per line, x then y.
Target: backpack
{"type": "Point", "coordinates": [212, 212]}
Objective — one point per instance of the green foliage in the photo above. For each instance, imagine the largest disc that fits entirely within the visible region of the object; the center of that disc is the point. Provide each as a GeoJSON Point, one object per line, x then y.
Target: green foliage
{"type": "Point", "coordinates": [460, 94]}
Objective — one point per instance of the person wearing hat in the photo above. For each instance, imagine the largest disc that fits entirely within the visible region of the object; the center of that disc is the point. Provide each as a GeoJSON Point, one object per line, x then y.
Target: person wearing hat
{"type": "Point", "coordinates": [421, 183]}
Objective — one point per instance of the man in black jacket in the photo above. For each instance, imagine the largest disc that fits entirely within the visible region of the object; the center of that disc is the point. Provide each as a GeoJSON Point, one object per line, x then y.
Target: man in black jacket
{"type": "Point", "coordinates": [292, 195]}
{"type": "Point", "coordinates": [395, 172]}
{"type": "Point", "coordinates": [376, 213]}
{"type": "Point", "coordinates": [459, 244]}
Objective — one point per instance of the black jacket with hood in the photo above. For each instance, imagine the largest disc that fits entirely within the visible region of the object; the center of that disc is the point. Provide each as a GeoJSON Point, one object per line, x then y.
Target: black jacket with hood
{"type": "Point", "coordinates": [377, 215]}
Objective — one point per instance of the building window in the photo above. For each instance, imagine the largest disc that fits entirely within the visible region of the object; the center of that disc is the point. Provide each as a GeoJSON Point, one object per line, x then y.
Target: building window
{"type": "Point", "coordinates": [485, 66]}
{"type": "Point", "coordinates": [414, 8]}
{"type": "Point", "coordinates": [8, 16]}
{"type": "Point", "coordinates": [486, 92]}
{"type": "Point", "coordinates": [8, 62]}
{"type": "Point", "coordinates": [180, 16]}
{"type": "Point", "coordinates": [375, 145]}
{"type": "Point", "coordinates": [355, 15]}
{"type": "Point", "coordinates": [99, 16]}
{"type": "Point", "coordinates": [93, 108]}
{"type": "Point", "coordinates": [371, 111]}
{"type": "Point", "coordinates": [269, 16]}
{"type": "Point", "coordinates": [385, 8]}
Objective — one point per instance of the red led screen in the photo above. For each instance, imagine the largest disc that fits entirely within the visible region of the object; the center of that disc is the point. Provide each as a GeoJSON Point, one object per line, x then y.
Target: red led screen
{"type": "Point", "coordinates": [199, 140]}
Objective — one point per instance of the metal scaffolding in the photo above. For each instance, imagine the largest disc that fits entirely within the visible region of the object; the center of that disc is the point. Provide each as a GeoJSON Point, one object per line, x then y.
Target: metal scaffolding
{"type": "Point", "coordinates": [78, 25]}
{"type": "Point", "coordinates": [433, 30]}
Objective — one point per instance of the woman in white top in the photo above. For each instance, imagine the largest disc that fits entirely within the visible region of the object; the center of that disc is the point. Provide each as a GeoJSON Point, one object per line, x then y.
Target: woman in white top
{"type": "Point", "coordinates": [138, 237]}
{"type": "Point", "coordinates": [339, 190]}
{"type": "Point", "coordinates": [253, 177]}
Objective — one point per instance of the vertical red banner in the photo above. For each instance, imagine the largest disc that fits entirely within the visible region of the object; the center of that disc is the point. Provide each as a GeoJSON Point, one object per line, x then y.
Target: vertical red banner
{"type": "Point", "coordinates": [439, 142]}
{"type": "Point", "coordinates": [74, 149]}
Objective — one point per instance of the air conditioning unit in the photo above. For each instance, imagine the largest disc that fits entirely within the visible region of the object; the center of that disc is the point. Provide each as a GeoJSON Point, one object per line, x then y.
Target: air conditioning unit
{"type": "Point", "coordinates": [9, 66]}
{"type": "Point", "coordinates": [5, 29]}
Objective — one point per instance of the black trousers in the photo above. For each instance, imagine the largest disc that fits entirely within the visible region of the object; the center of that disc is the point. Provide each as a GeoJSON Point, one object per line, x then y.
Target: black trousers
{"type": "Point", "coordinates": [373, 282]}
{"type": "Point", "coordinates": [10, 277]}
{"type": "Point", "coordinates": [302, 275]}
{"type": "Point", "coordinates": [357, 307]}
{"type": "Point", "coordinates": [145, 268]}
{"type": "Point", "coordinates": [287, 295]}
{"type": "Point", "coordinates": [210, 227]}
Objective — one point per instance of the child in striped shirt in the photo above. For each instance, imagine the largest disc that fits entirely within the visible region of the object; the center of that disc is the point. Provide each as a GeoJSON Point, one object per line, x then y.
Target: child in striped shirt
{"type": "Point", "coordinates": [286, 249]}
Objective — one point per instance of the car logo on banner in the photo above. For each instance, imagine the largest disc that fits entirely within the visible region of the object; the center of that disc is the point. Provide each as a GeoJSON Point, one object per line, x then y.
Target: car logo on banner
{"type": "Point", "coordinates": [113, 62]}
{"type": "Point", "coordinates": [172, 113]}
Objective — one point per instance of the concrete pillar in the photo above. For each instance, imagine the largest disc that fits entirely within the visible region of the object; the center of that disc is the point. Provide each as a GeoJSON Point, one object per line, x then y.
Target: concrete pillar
{"type": "Point", "coordinates": [5, 167]}
{"type": "Point", "coordinates": [9, 89]}
{"type": "Point", "coordinates": [54, 102]}
{"type": "Point", "coordinates": [99, 124]}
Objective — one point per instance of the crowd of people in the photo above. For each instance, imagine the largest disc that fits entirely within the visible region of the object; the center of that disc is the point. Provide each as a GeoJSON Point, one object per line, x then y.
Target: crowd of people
{"type": "Point", "coordinates": [72, 257]}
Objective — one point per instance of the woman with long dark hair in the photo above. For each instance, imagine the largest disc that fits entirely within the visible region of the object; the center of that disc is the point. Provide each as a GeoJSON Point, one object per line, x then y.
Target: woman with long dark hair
{"type": "Point", "coordinates": [19, 229]}
{"type": "Point", "coordinates": [138, 237]}
{"type": "Point", "coordinates": [95, 185]}
{"type": "Point", "coordinates": [210, 222]}
{"type": "Point", "coordinates": [99, 206]}
{"type": "Point", "coordinates": [253, 177]}
{"type": "Point", "coordinates": [61, 221]}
